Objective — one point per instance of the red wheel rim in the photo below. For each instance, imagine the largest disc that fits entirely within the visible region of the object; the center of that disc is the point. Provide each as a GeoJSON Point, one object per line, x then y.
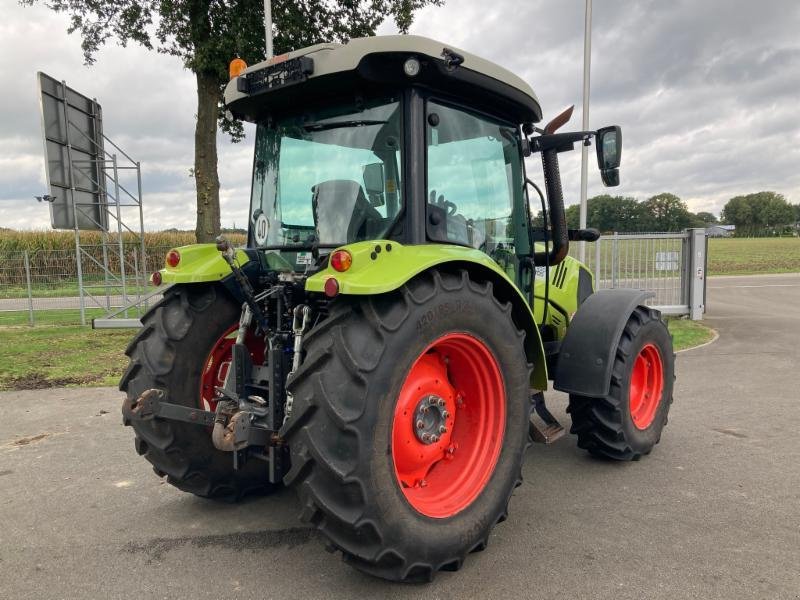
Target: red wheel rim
{"type": "Point", "coordinates": [457, 378]}
{"type": "Point", "coordinates": [216, 365]}
{"type": "Point", "coordinates": [647, 384]}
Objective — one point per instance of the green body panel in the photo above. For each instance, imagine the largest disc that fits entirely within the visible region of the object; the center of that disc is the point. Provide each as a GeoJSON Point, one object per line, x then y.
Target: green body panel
{"type": "Point", "coordinates": [199, 263]}
{"type": "Point", "coordinates": [563, 295]}
{"type": "Point", "coordinates": [395, 264]}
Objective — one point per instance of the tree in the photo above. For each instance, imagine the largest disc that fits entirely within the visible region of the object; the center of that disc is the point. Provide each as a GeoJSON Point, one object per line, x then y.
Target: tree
{"type": "Point", "coordinates": [705, 219]}
{"type": "Point", "coordinates": [206, 35]}
{"type": "Point", "coordinates": [667, 212]}
{"type": "Point", "coordinates": [758, 214]}
{"type": "Point", "coordinates": [614, 213]}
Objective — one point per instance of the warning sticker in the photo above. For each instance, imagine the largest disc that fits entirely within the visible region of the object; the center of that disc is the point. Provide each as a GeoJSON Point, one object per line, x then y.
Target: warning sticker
{"type": "Point", "coordinates": [305, 258]}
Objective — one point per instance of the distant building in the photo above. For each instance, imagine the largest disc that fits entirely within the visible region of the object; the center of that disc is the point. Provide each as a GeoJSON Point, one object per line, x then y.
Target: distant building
{"type": "Point", "coordinates": [720, 230]}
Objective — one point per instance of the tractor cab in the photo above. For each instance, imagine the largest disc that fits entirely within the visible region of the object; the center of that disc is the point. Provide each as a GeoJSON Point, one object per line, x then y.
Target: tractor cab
{"type": "Point", "coordinates": [401, 139]}
{"type": "Point", "coordinates": [394, 138]}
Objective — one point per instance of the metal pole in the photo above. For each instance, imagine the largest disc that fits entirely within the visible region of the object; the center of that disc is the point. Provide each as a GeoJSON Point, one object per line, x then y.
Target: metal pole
{"type": "Point", "coordinates": [120, 242]}
{"type": "Point", "coordinates": [78, 257]}
{"type": "Point", "coordinates": [587, 58]}
{"type": "Point", "coordinates": [141, 227]}
{"type": "Point", "coordinates": [268, 27]}
{"type": "Point", "coordinates": [30, 291]}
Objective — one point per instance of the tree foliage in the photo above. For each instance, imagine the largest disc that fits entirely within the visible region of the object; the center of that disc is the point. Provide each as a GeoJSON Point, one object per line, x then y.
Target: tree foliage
{"type": "Point", "coordinates": [662, 212]}
{"type": "Point", "coordinates": [761, 213]}
{"type": "Point", "coordinates": [706, 218]}
{"type": "Point", "coordinates": [207, 34]}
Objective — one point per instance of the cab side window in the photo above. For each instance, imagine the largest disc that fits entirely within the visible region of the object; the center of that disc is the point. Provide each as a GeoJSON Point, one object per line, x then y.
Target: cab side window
{"type": "Point", "coordinates": [472, 162]}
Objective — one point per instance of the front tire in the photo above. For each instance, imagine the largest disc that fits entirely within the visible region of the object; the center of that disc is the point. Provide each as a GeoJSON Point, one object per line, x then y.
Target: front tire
{"type": "Point", "coordinates": [628, 422]}
{"type": "Point", "coordinates": [396, 506]}
{"type": "Point", "coordinates": [183, 339]}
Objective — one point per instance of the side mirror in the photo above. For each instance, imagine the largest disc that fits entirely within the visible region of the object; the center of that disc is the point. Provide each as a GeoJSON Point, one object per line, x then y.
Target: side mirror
{"type": "Point", "coordinates": [609, 154]}
{"type": "Point", "coordinates": [373, 182]}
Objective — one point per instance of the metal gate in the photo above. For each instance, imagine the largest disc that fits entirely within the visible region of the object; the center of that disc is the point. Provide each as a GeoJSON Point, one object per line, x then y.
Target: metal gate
{"type": "Point", "coordinates": [671, 265]}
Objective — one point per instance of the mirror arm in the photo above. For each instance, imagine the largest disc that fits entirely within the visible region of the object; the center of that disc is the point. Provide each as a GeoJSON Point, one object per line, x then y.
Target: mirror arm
{"type": "Point", "coordinates": [560, 142]}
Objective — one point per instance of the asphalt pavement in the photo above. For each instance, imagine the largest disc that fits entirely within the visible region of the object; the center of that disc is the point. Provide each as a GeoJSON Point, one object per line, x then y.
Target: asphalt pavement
{"type": "Point", "coordinates": [713, 512]}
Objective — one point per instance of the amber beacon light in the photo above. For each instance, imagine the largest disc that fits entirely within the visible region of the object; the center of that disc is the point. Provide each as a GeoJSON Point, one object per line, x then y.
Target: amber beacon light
{"type": "Point", "coordinates": [236, 67]}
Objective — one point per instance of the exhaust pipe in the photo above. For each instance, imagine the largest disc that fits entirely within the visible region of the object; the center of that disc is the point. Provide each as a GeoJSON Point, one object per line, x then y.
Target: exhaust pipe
{"type": "Point", "coordinates": [558, 218]}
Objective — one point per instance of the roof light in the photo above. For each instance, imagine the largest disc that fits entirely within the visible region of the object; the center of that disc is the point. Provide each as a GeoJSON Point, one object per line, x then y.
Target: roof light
{"type": "Point", "coordinates": [341, 260]}
{"type": "Point", "coordinates": [173, 258]}
{"type": "Point", "coordinates": [411, 67]}
{"type": "Point", "coordinates": [331, 287]}
{"type": "Point", "coordinates": [236, 67]}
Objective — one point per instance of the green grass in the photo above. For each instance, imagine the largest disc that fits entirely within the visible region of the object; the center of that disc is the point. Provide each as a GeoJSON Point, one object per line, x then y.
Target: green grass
{"type": "Point", "coordinates": [71, 355]}
{"type": "Point", "coordinates": [746, 256]}
{"type": "Point", "coordinates": [70, 289]}
{"type": "Point", "coordinates": [41, 357]}
{"type": "Point", "coordinates": [60, 317]}
{"type": "Point", "coordinates": [688, 334]}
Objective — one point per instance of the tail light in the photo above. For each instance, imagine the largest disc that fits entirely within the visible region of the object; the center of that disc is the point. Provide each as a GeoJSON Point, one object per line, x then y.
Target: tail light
{"type": "Point", "coordinates": [331, 287]}
{"type": "Point", "coordinates": [173, 258]}
{"type": "Point", "coordinates": [341, 260]}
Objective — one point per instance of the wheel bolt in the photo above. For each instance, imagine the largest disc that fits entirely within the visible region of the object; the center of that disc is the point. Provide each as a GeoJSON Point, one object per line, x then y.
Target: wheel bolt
{"type": "Point", "coordinates": [425, 410]}
{"type": "Point", "coordinates": [420, 424]}
{"type": "Point", "coordinates": [445, 414]}
{"type": "Point", "coordinates": [434, 439]}
{"type": "Point", "coordinates": [442, 429]}
{"type": "Point", "coordinates": [440, 402]}
{"type": "Point", "coordinates": [426, 437]}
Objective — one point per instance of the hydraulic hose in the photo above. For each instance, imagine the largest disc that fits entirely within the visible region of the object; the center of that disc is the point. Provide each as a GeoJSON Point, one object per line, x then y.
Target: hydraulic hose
{"type": "Point", "coordinates": [558, 219]}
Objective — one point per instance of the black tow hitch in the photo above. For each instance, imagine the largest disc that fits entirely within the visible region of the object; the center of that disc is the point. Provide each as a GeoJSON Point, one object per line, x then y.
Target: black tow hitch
{"type": "Point", "coordinates": [151, 405]}
{"type": "Point", "coordinates": [234, 430]}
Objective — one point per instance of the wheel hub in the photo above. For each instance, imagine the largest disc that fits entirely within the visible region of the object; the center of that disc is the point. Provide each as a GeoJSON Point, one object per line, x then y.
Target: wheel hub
{"type": "Point", "coordinates": [430, 419]}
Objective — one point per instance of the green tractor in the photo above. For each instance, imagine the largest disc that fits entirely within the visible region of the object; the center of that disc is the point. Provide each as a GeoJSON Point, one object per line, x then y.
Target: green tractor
{"type": "Point", "coordinates": [383, 342]}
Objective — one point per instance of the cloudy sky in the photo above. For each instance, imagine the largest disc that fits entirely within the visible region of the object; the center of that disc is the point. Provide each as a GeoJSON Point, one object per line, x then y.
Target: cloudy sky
{"type": "Point", "coordinates": [707, 94]}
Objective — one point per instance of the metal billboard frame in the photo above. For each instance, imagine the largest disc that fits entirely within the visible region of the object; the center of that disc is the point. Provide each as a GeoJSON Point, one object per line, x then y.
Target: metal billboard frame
{"type": "Point", "coordinates": [78, 149]}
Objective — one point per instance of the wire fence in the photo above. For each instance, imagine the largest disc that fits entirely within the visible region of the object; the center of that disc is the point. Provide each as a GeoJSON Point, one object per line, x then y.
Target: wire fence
{"type": "Point", "coordinates": [43, 286]}
{"type": "Point", "coordinates": [672, 266]}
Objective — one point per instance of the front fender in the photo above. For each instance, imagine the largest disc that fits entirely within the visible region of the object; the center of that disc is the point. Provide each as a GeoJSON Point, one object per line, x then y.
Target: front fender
{"type": "Point", "coordinates": [200, 263]}
{"type": "Point", "coordinates": [382, 266]}
{"type": "Point", "coordinates": [586, 356]}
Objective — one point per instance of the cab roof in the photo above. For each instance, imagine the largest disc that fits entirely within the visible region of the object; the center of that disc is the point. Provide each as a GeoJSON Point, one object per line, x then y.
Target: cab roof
{"type": "Point", "coordinates": [363, 65]}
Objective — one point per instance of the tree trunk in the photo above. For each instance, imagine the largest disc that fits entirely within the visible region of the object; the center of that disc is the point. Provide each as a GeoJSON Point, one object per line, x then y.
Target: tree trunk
{"type": "Point", "coordinates": [205, 159]}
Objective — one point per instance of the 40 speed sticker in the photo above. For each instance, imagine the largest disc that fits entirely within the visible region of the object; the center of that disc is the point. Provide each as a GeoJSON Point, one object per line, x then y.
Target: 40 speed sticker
{"type": "Point", "coordinates": [261, 229]}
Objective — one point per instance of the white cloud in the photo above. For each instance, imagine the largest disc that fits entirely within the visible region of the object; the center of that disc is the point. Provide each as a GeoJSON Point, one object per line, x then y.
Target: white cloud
{"type": "Point", "coordinates": [706, 94]}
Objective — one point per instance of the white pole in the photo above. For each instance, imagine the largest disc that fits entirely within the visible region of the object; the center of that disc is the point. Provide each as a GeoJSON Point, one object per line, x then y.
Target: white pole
{"type": "Point", "coordinates": [268, 27]}
{"type": "Point", "coordinates": [587, 59]}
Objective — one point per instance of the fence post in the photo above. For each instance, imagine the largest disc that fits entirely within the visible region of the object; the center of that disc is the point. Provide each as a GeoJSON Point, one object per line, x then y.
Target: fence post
{"type": "Point", "coordinates": [697, 273]}
{"type": "Point", "coordinates": [30, 290]}
{"type": "Point", "coordinates": [597, 271]}
{"type": "Point", "coordinates": [614, 259]}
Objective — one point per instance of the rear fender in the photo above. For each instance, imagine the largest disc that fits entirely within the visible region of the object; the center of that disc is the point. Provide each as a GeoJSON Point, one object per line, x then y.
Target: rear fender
{"type": "Point", "coordinates": [200, 263]}
{"type": "Point", "coordinates": [382, 266]}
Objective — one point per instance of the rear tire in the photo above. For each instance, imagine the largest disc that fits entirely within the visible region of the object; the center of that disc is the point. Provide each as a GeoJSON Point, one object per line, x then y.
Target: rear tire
{"type": "Point", "coordinates": [169, 353]}
{"type": "Point", "coordinates": [628, 422]}
{"type": "Point", "coordinates": [343, 433]}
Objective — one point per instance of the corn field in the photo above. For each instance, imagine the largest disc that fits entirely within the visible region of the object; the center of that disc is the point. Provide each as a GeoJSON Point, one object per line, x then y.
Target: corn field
{"type": "Point", "coordinates": [51, 256]}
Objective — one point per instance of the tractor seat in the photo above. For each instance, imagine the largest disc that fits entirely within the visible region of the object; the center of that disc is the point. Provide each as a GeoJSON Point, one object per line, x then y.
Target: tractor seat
{"type": "Point", "coordinates": [341, 208]}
